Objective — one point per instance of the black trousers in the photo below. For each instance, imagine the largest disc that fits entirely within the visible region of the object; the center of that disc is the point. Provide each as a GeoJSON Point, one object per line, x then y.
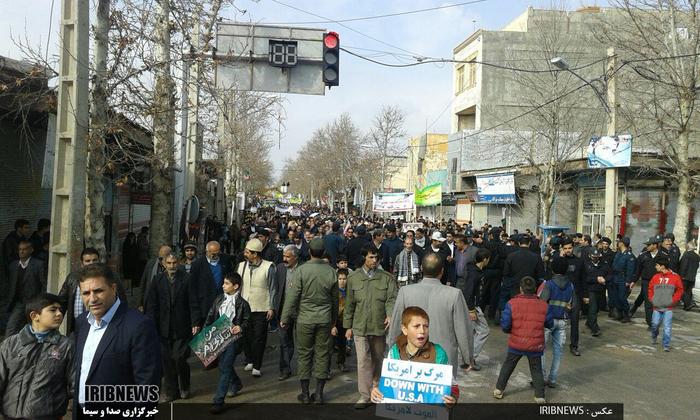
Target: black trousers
{"type": "Point", "coordinates": [508, 367]}
{"type": "Point", "coordinates": [687, 297]}
{"type": "Point", "coordinates": [256, 339]}
{"type": "Point", "coordinates": [490, 294]}
{"type": "Point", "coordinates": [595, 301]}
{"type": "Point", "coordinates": [575, 316]}
{"type": "Point", "coordinates": [286, 347]}
{"type": "Point", "coordinates": [175, 367]}
{"type": "Point", "coordinates": [644, 298]}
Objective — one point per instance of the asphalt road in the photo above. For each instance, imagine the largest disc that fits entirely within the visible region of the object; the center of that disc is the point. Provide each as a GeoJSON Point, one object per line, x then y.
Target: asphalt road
{"type": "Point", "coordinates": [620, 366]}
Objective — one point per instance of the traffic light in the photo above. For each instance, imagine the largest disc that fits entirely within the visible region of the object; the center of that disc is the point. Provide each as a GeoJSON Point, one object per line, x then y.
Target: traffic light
{"type": "Point", "coordinates": [331, 58]}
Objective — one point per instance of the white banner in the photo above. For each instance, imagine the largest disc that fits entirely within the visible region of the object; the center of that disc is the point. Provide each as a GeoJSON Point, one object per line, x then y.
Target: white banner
{"type": "Point", "coordinates": [391, 202]}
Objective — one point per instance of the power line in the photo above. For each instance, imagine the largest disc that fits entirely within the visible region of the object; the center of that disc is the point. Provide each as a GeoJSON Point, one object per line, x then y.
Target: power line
{"type": "Point", "coordinates": [450, 60]}
{"type": "Point", "coordinates": [416, 55]}
{"type": "Point", "coordinates": [407, 12]}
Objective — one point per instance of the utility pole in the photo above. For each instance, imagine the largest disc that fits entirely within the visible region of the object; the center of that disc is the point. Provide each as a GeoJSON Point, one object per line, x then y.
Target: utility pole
{"type": "Point", "coordinates": [68, 194]}
{"type": "Point", "coordinates": [611, 174]}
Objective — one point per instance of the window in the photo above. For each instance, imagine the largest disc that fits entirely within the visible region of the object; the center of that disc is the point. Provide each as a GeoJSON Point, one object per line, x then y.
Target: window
{"type": "Point", "coordinates": [454, 165]}
{"type": "Point", "coordinates": [460, 79]}
{"type": "Point", "coordinates": [471, 73]}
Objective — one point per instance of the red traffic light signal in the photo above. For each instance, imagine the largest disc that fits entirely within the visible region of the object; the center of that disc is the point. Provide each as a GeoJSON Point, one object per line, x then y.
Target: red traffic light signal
{"type": "Point", "coordinates": [331, 58]}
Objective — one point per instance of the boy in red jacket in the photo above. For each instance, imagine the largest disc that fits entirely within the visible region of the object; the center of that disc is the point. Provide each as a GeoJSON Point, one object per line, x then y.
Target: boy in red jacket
{"type": "Point", "coordinates": [665, 290]}
{"type": "Point", "coordinates": [525, 318]}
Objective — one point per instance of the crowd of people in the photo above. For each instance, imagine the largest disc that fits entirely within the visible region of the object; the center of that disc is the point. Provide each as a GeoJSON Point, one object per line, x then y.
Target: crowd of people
{"type": "Point", "coordinates": [327, 285]}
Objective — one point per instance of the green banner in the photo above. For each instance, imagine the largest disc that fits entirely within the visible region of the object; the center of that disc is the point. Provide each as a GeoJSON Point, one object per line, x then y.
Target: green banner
{"type": "Point", "coordinates": [212, 340]}
{"type": "Point", "coordinates": [430, 195]}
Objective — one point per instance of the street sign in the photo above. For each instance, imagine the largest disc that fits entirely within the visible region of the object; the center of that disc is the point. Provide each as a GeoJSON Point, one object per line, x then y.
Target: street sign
{"type": "Point", "coordinates": [269, 58]}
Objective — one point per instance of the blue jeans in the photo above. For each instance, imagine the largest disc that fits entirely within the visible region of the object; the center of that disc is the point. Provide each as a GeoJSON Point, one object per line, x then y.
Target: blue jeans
{"type": "Point", "coordinates": [228, 376]}
{"type": "Point", "coordinates": [557, 335]}
{"type": "Point", "coordinates": [657, 317]}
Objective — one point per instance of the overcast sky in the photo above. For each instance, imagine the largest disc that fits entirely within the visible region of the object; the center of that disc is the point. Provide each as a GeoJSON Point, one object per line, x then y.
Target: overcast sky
{"type": "Point", "coordinates": [423, 92]}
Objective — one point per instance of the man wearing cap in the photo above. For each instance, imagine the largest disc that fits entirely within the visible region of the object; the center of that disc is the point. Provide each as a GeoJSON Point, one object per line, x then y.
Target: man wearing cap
{"type": "Point", "coordinates": [437, 246]}
{"type": "Point", "coordinates": [369, 302]}
{"type": "Point", "coordinates": [313, 298]}
{"type": "Point", "coordinates": [646, 269]}
{"type": "Point", "coordinates": [259, 289]}
{"type": "Point", "coordinates": [190, 250]}
{"type": "Point", "coordinates": [606, 256]}
{"type": "Point", "coordinates": [623, 267]}
{"type": "Point", "coordinates": [674, 253]}
{"type": "Point", "coordinates": [597, 275]}
{"type": "Point", "coordinates": [206, 279]}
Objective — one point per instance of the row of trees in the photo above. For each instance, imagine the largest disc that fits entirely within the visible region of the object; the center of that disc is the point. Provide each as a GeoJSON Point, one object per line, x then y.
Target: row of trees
{"type": "Point", "coordinates": [339, 157]}
{"type": "Point", "coordinates": [141, 52]}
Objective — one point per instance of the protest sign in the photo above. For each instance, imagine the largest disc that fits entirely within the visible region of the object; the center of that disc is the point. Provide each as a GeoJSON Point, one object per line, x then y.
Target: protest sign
{"type": "Point", "coordinates": [413, 389]}
{"type": "Point", "coordinates": [411, 226]}
{"type": "Point", "coordinates": [213, 340]}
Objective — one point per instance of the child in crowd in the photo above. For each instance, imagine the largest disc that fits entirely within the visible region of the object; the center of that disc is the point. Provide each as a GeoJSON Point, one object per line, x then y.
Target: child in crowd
{"type": "Point", "coordinates": [36, 364]}
{"type": "Point", "coordinates": [665, 291]}
{"type": "Point", "coordinates": [525, 317]}
{"type": "Point", "coordinates": [237, 309]}
{"type": "Point", "coordinates": [340, 341]}
{"type": "Point", "coordinates": [414, 345]}
{"type": "Point", "coordinates": [342, 263]}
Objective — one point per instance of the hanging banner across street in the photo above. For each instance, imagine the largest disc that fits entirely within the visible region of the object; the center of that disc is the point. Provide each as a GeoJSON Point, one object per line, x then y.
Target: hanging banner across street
{"type": "Point", "coordinates": [390, 202]}
{"type": "Point", "coordinates": [497, 188]}
{"type": "Point", "coordinates": [430, 195]}
{"type": "Point", "coordinates": [610, 151]}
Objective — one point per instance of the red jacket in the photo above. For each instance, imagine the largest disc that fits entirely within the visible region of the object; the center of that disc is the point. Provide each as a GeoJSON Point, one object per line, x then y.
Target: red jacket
{"type": "Point", "coordinates": [665, 290]}
{"type": "Point", "coordinates": [525, 317]}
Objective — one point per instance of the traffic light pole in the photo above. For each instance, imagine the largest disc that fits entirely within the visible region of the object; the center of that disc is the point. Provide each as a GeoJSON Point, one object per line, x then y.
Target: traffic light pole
{"type": "Point", "coordinates": [68, 195]}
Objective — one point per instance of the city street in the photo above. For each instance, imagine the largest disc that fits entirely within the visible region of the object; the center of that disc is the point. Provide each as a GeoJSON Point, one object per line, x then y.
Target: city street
{"type": "Point", "coordinates": [620, 366]}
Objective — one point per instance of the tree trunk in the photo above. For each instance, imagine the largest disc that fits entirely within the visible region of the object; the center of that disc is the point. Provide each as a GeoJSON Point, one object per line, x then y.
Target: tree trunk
{"type": "Point", "coordinates": [94, 226]}
{"type": "Point", "coordinates": [163, 133]}
{"type": "Point", "coordinates": [680, 227]}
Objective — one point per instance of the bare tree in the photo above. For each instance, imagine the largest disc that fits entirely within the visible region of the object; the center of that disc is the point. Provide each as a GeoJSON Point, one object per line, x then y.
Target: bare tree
{"type": "Point", "coordinates": [386, 134]}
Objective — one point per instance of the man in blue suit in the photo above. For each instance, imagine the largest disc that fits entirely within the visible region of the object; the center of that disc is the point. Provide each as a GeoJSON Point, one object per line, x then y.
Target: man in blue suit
{"type": "Point", "coordinates": [115, 344]}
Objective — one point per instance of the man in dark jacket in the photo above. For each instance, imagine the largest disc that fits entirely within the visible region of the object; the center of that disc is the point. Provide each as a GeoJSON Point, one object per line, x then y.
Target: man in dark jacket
{"type": "Point", "coordinates": [355, 245]}
{"type": "Point", "coordinates": [493, 273]}
{"type": "Point", "coordinates": [207, 277]}
{"type": "Point", "coordinates": [646, 269]}
{"type": "Point", "coordinates": [598, 275]}
{"type": "Point", "coordinates": [674, 253]}
{"type": "Point", "coordinates": [70, 290]}
{"type": "Point", "coordinates": [393, 245]}
{"type": "Point", "coordinates": [27, 281]}
{"type": "Point", "coordinates": [114, 343]}
{"type": "Point", "coordinates": [283, 277]}
{"type": "Point", "coordinates": [575, 273]}
{"type": "Point", "coordinates": [154, 267]}
{"type": "Point", "coordinates": [624, 267]}
{"type": "Point", "coordinates": [169, 306]}
{"type": "Point", "coordinates": [11, 242]}
{"type": "Point", "coordinates": [334, 244]}
{"type": "Point", "coordinates": [688, 268]}
{"type": "Point", "coordinates": [519, 264]}
{"type": "Point", "coordinates": [438, 246]}
{"type": "Point", "coordinates": [472, 284]}
{"type": "Point", "coordinates": [269, 252]}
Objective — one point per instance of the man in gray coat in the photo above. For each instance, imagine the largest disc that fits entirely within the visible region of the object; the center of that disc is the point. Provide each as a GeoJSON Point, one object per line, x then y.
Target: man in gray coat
{"type": "Point", "coordinates": [450, 325]}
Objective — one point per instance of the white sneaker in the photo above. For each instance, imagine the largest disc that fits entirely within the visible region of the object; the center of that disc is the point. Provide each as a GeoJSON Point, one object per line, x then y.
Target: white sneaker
{"type": "Point", "coordinates": [248, 367]}
{"type": "Point", "coordinates": [540, 400]}
{"type": "Point", "coordinates": [256, 373]}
